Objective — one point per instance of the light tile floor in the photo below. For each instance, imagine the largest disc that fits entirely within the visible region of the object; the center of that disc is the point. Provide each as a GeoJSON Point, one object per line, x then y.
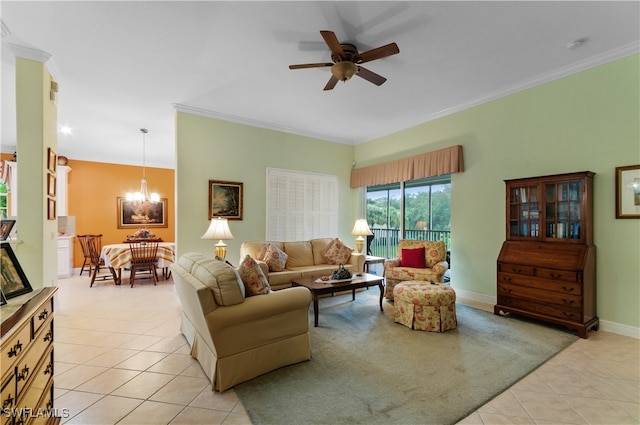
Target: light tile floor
{"type": "Point", "coordinates": [121, 359]}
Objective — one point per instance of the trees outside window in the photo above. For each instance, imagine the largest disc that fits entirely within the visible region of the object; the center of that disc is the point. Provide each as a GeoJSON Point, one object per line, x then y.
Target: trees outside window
{"type": "Point", "coordinates": [417, 209]}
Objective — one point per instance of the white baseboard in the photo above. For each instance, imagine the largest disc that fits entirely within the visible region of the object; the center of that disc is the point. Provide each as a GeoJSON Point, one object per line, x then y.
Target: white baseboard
{"type": "Point", "coordinates": [620, 329]}
{"type": "Point", "coordinates": [605, 325]}
{"type": "Point", "coordinates": [474, 296]}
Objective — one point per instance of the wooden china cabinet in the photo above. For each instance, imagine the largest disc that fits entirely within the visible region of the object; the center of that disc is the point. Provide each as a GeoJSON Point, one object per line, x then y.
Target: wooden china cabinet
{"type": "Point", "coordinates": [546, 267]}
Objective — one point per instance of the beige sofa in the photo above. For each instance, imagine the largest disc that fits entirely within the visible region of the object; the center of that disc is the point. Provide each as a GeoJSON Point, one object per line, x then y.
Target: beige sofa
{"type": "Point", "coordinates": [304, 259]}
{"type": "Point", "coordinates": [233, 337]}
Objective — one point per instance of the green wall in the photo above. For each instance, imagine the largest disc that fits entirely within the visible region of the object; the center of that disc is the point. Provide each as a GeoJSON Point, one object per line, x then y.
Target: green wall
{"type": "Point", "coordinates": [211, 149]}
{"type": "Point", "coordinates": [587, 121]}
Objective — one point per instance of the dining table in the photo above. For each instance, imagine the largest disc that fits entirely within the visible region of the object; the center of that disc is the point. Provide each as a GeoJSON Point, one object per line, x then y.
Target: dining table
{"type": "Point", "coordinates": [118, 256]}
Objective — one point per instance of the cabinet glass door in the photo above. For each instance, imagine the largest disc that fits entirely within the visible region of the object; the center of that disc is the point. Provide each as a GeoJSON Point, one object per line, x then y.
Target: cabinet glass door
{"type": "Point", "coordinates": [523, 212]}
{"type": "Point", "coordinates": [562, 210]}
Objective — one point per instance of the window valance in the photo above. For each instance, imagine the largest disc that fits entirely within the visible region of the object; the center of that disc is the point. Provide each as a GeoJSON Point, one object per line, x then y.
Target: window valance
{"type": "Point", "coordinates": [436, 163]}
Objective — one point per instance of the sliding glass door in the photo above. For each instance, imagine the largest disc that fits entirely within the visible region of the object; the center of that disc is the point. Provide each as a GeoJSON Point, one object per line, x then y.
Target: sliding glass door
{"type": "Point", "coordinates": [417, 209]}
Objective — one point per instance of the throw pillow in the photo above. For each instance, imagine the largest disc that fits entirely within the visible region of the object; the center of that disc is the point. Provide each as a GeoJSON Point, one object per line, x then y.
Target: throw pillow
{"type": "Point", "coordinates": [338, 253]}
{"type": "Point", "coordinates": [327, 247]}
{"type": "Point", "coordinates": [275, 258]}
{"type": "Point", "coordinates": [262, 252]}
{"type": "Point", "coordinates": [254, 280]}
{"type": "Point", "coordinates": [413, 258]}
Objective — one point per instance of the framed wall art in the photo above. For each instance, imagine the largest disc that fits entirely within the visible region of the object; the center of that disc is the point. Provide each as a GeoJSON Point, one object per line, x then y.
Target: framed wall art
{"type": "Point", "coordinates": [5, 229]}
{"type": "Point", "coordinates": [13, 281]}
{"type": "Point", "coordinates": [51, 209]}
{"type": "Point", "coordinates": [628, 191]}
{"type": "Point", "coordinates": [225, 200]}
{"type": "Point", "coordinates": [51, 184]}
{"type": "Point", "coordinates": [135, 214]}
{"type": "Point", "coordinates": [51, 160]}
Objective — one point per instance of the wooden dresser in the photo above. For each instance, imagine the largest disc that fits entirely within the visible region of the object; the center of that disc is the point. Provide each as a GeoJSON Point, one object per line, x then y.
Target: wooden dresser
{"type": "Point", "coordinates": [546, 267]}
{"type": "Point", "coordinates": [27, 361]}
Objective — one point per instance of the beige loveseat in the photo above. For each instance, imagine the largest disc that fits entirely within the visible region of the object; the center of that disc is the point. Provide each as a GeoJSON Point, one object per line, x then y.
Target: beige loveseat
{"type": "Point", "coordinates": [304, 258]}
{"type": "Point", "coordinates": [236, 338]}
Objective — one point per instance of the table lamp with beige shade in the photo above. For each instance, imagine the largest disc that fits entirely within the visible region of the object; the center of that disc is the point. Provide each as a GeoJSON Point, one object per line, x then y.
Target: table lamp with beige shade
{"type": "Point", "coordinates": [219, 229]}
{"type": "Point", "coordinates": [360, 229]}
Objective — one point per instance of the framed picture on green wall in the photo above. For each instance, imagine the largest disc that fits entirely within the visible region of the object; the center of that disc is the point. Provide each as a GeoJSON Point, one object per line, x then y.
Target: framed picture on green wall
{"type": "Point", "coordinates": [628, 191]}
{"type": "Point", "coordinates": [225, 200]}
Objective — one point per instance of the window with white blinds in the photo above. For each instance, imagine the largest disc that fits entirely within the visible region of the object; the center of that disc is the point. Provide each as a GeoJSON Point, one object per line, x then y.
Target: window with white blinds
{"type": "Point", "coordinates": [301, 206]}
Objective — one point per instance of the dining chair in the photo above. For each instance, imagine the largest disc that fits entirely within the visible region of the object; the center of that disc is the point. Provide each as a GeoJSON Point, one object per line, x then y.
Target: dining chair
{"type": "Point", "coordinates": [85, 251]}
{"type": "Point", "coordinates": [93, 243]}
{"type": "Point", "coordinates": [144, 259]}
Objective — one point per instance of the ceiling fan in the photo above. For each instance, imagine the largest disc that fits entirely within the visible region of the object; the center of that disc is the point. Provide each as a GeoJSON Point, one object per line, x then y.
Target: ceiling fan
{"type": "Point", "coordinates": [347, 60]}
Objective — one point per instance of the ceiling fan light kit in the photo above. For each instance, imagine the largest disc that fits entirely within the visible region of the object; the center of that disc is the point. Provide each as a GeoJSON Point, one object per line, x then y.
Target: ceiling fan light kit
{"type": "Point", "coordinates": [344, 70]}
{"type": "Point", "coordinates": [347, 60]}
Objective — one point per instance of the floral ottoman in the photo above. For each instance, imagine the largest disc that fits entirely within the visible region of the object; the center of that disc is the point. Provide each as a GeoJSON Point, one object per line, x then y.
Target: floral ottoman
{"type": "Point", "coordinates": [425, 306]}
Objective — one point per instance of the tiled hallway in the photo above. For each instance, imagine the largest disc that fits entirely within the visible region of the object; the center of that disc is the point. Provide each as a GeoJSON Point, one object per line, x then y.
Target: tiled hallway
{"type": "Point", "coordinates": [121, 359]}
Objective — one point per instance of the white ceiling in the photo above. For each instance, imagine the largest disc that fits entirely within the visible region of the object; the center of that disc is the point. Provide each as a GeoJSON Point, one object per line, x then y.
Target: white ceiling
{"type": "Point", "coordinates": [122, 66]}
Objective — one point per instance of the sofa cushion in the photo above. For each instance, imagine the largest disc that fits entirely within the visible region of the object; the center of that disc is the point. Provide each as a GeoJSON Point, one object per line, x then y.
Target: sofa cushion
{"type": "Point", "coordinates": [224, 281]}
{"type": "Point", "coordinates": [255, 283]}
{"type": "Point", "coordinates": [318, 246]}
{"type": "Point", "coordinates": [280, 280]}
{"type": "Point", "coordinates": [275, 258]}
{"type": "Point", "coordinates": [300, 254]}
{"type": "Point", "coordinates": [337, 252]}
{"type": "Point", "coordinates": [413, 257]}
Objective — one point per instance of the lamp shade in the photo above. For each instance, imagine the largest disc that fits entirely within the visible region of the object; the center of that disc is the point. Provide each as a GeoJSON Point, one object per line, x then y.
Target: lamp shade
{"type": "Point", "coordinates": [218, 229]}
{"type": "Point", "coordinates": [361, 228]}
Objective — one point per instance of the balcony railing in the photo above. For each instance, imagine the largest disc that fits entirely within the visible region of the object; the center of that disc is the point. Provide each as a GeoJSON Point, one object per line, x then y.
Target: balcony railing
{"type": "Point", "coordinates": [385, 241]}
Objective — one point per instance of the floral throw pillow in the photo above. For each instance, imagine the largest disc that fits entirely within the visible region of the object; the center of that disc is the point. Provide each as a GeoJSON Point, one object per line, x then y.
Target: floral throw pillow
{"type": "Point", "coordinates": [275, 258]}
{"type": "Point", "coordinates": [338, 253]}
{"type": "Point", "coordinates": [254, 280]}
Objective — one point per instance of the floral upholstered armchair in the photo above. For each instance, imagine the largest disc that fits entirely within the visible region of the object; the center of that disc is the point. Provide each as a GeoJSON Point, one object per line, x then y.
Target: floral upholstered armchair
{"type": "Point", "coordinates": [417, 260]}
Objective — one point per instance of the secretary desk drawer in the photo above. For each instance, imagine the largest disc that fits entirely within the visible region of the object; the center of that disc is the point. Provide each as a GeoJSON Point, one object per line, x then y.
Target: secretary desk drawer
{"type": "Point", "coordinates": [544, 309]}
{"type": "Point", "coordinates": [516, 268]}
{"type": "Point", "coordinates": [565, 275]}
{"type": "Point", "coordinates": [570, 288]}
{"type": "Point", "coordinates": [562, 300]}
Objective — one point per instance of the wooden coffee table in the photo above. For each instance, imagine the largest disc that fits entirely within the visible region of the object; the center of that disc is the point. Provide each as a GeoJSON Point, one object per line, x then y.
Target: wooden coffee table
{"type": "Point", "coordinates": [364, 280]}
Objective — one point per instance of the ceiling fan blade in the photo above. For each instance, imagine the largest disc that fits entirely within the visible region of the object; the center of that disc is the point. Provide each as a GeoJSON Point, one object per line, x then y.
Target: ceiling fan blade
{"type": "Point", "coordinates": [377, 53]}
{"type": "Point", "coordinates": [331, 83]}
{"type": "Point", "coordinates": [333, 43]}
{"type": "Point", "coordinates": [310, 65]}
{"type": "Point", "coordinates": [370, 76]}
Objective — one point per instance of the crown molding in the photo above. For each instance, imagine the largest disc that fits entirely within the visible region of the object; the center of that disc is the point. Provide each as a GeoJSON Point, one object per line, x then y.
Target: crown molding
{"type": "Point", "coordinates": [4, 29]}
{"type": "Point", "coordinates": [24, 51]}
{"type": "Point", "coordinates": [588, 63]}
{"type": "Point", "coordinates": [27, 52]}
{"type": "Point", "coordinates": [260, 124]}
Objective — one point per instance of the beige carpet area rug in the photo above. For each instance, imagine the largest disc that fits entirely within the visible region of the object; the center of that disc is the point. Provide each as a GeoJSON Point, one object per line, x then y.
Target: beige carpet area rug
{"type": "Point", "coordinates": [366, 369]}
